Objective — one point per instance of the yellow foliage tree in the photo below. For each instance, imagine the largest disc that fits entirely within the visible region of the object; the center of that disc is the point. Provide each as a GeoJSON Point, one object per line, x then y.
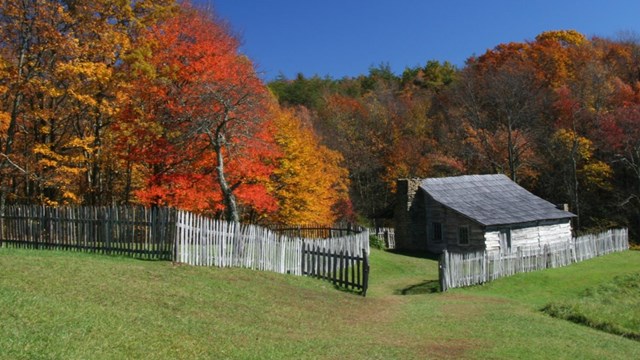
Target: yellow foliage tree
{"type": "Point", "coordinates": [565, 37]}
{"type": "Point", "coordinates": [592, 173]}
{"type": "Point", "coordinates": [61, 86]}
{"type": "Point", "coordinates": [309, 181]}
{"type": "Point", "coordinates": [582, 175]}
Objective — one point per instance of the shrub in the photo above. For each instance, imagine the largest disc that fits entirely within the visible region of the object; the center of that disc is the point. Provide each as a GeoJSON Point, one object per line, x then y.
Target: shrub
{"type": "Point", "coordinates": [376, 242]}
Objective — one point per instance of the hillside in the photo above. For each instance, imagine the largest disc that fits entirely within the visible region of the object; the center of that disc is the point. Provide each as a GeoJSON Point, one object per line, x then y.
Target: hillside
{"type": "Point", "coordinates": [74, 305]}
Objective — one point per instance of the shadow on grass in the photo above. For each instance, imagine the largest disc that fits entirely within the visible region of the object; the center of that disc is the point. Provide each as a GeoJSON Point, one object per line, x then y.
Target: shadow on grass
{"type": "Point", "coordinates": [347, 290]}
{"type": "Point", "coordinates": [415, 254]}
{"type": "Point", "coordinates": [425, 287]}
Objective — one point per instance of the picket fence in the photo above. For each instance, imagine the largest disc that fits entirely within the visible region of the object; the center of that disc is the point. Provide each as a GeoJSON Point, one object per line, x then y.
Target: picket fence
{"type": "Point", "coordinates": [385, 234]}
{"type": "Point", "coordinates": [132, 231]}
{"type": "Point", "coordinates": [169, 234]}
{"type": "Point", "coordinates": [459, 269]}
{"type": "Point", "coordinates": [206, 242]}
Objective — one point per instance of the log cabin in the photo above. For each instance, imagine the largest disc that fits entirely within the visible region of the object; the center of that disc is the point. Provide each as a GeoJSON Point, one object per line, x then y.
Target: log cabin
{"type": "Point", "coordinates": [475, 213]}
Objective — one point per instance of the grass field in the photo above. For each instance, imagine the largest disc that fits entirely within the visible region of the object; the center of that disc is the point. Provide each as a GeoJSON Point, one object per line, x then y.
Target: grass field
{"type": "Point", "coordinates": [613, 306]}
{"type": "Point", "coordinates": [65, 305]}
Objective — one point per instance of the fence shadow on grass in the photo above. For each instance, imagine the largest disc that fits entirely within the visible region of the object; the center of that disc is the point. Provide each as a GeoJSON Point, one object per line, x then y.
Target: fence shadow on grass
{"type": "Point", "coordinates": [425, 287]}
{"type": "Point", "coordinates": [415, 254]}
{"type": "Point", "coordinates": [347, 290]}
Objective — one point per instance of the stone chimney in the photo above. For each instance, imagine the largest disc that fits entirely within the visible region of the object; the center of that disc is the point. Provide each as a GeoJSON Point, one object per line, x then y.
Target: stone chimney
{"type": "Point", "coordinates": [406, 190]}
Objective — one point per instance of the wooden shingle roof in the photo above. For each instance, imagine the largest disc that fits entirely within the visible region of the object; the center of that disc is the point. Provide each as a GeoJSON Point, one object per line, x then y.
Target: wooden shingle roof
{"type": "Point", "coordinates": [491, 199]}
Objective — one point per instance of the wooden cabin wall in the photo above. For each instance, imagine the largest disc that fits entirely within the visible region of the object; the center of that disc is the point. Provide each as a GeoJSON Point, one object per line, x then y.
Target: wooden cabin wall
{"type": "Point", "coordinates": [530, 234]}
{"type": "Point", "coordinates": [451, 221]}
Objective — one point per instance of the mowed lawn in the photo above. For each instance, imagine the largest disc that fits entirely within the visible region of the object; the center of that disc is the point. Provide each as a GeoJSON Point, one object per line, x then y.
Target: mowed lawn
{"type": "Point", "coordinates": [64, 305]}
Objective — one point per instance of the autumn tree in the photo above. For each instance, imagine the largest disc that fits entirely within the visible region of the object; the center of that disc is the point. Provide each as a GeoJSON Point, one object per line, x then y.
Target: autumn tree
{"type": "Point", "coordinates": [309, 181]}
{"type": "Point", "coordinates": [380, 77]}
{"type": "Point", "coordinates": [201, 99]}
{"type": "Point", "coordinates": [382, 126]}
{"type": "Point", "coordinates": [344, 125]}
{"type": "Point", "coordinates": [500, 108]}
{"type": "Point", "coordinates": [33, 33]}
{"type": "Point", "coordinates": [620, 138]}
{"type": "Point", "coordinates": [576, 169]}
{"type": "Point", "coordinates": [62, 61]}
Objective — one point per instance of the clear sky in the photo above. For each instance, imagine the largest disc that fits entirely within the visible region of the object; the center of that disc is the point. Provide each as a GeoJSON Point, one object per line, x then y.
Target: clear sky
{"type": "Point", "coordinates": [346, 37]}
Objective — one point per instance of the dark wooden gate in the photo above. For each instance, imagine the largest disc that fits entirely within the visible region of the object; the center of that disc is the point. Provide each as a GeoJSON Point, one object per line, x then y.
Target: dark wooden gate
{"type": "Point", "coordinates": [340, 268]}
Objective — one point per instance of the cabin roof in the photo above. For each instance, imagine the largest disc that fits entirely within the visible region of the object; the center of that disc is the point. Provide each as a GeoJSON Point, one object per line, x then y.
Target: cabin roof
{"type": "Point", "coordinates": [491, 199]}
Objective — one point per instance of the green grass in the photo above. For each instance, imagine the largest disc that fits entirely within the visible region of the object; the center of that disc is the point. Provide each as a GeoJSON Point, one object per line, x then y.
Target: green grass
{"type": "Point", "coordinates": [65, 305]}
{"type": "Point", "coordinates": [613, 307]}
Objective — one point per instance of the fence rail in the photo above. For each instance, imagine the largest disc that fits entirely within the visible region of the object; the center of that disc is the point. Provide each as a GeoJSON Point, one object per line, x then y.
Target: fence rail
{"type": "Point", "coordinates": [315, 231]}
{"type": "Point", "coordinates": [459, 269]}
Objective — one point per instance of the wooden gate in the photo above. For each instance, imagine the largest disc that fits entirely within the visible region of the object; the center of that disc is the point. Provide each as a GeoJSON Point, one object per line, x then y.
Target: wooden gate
{"type": "Point", "coordinates": [350, 271]}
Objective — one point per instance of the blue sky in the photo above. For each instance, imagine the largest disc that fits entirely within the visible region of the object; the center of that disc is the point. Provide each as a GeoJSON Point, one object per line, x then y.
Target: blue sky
{"type": "Point", "coordinates": [347, 37]}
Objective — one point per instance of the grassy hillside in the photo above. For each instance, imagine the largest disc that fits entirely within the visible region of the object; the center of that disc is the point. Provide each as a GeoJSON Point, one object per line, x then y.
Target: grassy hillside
{"type": "Point", "coordinates": [613, 306]}
{"type": "Point", "coordinates": [78, 306]}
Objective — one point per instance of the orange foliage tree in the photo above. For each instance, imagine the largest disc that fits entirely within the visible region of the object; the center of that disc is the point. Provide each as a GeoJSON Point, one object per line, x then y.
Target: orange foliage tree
{"type": "Point", "coordinates": [196, 120]}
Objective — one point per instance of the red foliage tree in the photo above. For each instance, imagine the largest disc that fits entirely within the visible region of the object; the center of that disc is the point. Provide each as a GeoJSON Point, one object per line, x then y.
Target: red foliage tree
{"type": "Point", "coordinates": [196, 119]}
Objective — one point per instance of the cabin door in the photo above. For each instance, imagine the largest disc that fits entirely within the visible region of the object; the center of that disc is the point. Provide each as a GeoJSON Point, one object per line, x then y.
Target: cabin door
{"type": "Point", "coordinates": [505, 240]}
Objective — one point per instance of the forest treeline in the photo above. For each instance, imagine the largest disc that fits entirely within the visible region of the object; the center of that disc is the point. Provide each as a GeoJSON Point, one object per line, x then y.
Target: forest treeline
{"type": "Point", "coordinates": [560, 115]}
{"type": "Point", "coordinates": [150, 102]}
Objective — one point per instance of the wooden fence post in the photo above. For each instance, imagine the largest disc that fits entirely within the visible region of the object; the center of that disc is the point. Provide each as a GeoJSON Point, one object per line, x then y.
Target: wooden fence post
{"type": "Point", "coordinates": [365, 272]}
{"type": "Point", "coordinates": [304, 255]}
{"type": "Point", "coordinates": [335, 266]}
{"type": "Point", "coordinates": [547, 256]}
{"type": "Point", "coordinates": [442, 265]}
{"type": "Point", "coordinates": [172, 247]}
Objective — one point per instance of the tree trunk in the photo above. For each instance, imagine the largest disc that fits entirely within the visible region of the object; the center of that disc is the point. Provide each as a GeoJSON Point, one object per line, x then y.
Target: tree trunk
{"type": "Point", "coordinates": [128, 175]}
{"type": "Point", "coordinates": [511, 151]}
{"type": "Point", "coordinates": [576, 185]}
{"type": "Point", "coordinates": [576, 192]}
{"type": "Point", "coordinates": [229, 199]}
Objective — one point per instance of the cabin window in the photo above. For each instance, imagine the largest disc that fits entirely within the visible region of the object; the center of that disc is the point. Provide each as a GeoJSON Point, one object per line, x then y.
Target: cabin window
{"type": "Point", "coordinates": [437, 232]}
{"type": "Point", "coordinates": [463, 235]}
